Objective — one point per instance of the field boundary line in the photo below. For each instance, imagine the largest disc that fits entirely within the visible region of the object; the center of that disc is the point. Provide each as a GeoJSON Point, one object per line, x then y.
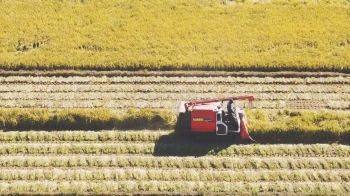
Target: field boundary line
{"type": "Point", "coordinates": [67, 73]}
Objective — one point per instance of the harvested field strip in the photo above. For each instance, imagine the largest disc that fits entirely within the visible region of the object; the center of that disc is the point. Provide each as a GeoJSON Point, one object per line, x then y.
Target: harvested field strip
{"type": "Point", "coordinates": [170, 187]}
{"type": "Point", "coordinates": [171, 80]}
{"type": "Point", "coordinates": [67, 148]}
{"type": "Point", "coordinates": [145, 136]}
{"type": "Point", "coordinates": [136, 96]}
{"type": "Point", "coordinates": [137, 137]}
{"type": "Point", "coordinates": [166, 92]}
{"type": "Point", "coordinates": [319, 150]}
{"type": "Point", "coordinates": [172, 105]}
{"type": "Point", "coordinates": [180, 88]}
{"type": "Point", "coordinates": [205, 162]}
{"type": "Point", "coordinates": [142, 174]}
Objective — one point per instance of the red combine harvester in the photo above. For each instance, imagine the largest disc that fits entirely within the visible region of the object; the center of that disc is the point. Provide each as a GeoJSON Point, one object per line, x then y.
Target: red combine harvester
{"type": "Point", "coordinates": [208, 116]}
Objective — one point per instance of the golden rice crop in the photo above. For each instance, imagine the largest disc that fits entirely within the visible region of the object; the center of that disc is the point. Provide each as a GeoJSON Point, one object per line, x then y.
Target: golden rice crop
{"type": "Point", "coordinates": [281, 125]}
{"type": "Point", "coordinates": [175, 35]}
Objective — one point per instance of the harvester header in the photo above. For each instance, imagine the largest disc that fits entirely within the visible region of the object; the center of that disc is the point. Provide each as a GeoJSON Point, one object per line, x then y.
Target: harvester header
{"type": "Point", "coordinates": [205, 101]}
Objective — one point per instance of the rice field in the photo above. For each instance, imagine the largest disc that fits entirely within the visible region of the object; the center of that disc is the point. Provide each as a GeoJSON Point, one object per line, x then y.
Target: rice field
{"type": "Point", "coordinates": [89, 91]}
{"type": "Point", "coordinates": [207, 35]}
{"type": "Point", "coordinates": [148, 162]}
{"type": "Point", "coordinates": [126, 162]}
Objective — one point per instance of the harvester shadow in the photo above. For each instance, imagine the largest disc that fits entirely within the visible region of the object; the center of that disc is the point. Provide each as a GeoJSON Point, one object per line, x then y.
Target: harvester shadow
{"type": "Point", "coordinates": [176, 144]}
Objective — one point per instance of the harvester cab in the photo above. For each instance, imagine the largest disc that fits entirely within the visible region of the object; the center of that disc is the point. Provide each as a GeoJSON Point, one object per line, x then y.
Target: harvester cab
{"type": "Point", "coordinates": [209, 116]}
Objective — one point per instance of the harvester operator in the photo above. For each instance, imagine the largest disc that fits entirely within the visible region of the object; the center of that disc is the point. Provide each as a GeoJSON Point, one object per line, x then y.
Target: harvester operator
{"type": "Point", "coordinates": [233, 123]}
{"type": "Point", "coordinates": [229, 107]}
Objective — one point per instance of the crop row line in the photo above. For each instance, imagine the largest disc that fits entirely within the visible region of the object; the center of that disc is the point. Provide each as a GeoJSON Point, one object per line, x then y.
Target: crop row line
{"type": "Point", "coordinates": [171, 80]}
{"type": "Point", "coordinates": [187, 73]}
{"type": "Point", "coordinates": [105, 137]}
{"type": "Point", "coordinates": [104, 187]}
{"type": "Point", "coordinates": [205, 162]}
{"type": "Point", "coordinates": [166, 104]}
{"type": "Point", "coordinates": [240, 88]}
{"type": "Point", "coordinates": [165, 96]}
{"type": "Point", "coordinates": [186, 148]}
{"type": "Point", "coordinates": [141, 174]}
